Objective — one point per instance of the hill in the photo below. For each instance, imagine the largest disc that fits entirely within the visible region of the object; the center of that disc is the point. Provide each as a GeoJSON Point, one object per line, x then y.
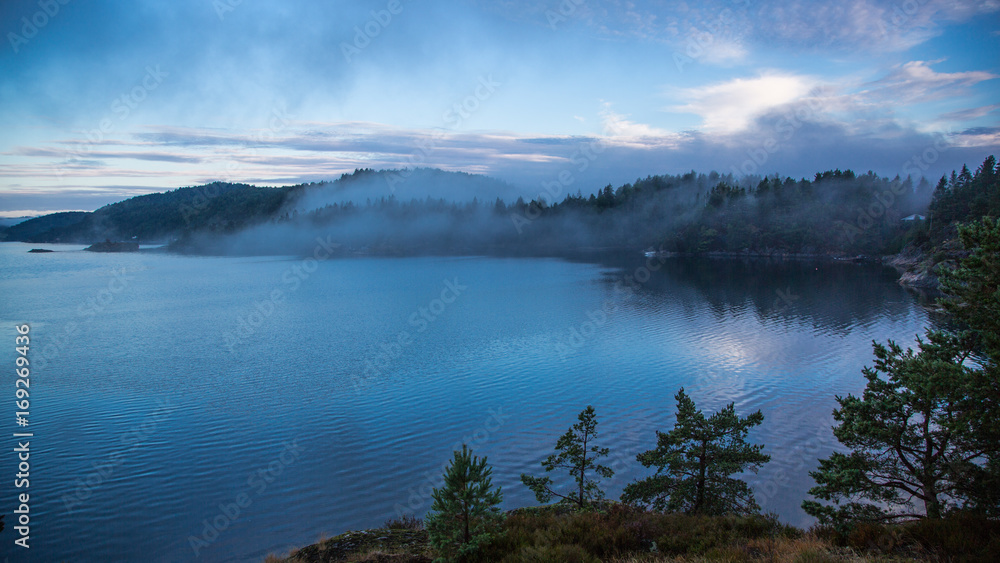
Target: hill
{"type": "Point", "coordinates": [32, 229]}
{"type": "Point", "coordinates": [160, 216]}
{"type": "Point", "coordinates": [223, 208]}
{"type": "Point", "coordinates": [397, 212]}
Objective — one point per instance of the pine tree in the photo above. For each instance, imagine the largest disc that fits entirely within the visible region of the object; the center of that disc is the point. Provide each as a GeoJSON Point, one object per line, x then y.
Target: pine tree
{"type": "Point", "coordinates": [910, 437]}
{"type": "Point", "coordinates": [973, 299]}
{"type": "Point", "coordinates": [576, 452]}
{"type": "Point", "coordinates": [695, 460]}
{"type": "Point", "coordinates": [973, 288]}
{"type": "Point", "coordinates": [465, 513]}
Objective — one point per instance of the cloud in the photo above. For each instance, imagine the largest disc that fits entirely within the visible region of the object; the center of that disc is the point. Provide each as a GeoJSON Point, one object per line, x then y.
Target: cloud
{"type": "Point", "coordinates": [916, 82]}
{"type": "Point", "coordinates": [730, 106]}
{"type": "Point", "coordinates": [69, 155]}
{"type": "Point", "coordinates": [968, 114]}
{"type": "Point", "coordinates": [866, 107]}
{"type": "Point", "coordinates": [881, 25]}
{"type": "Point", "coordinates": [727, 30]}
{"type": "Point", "coordinates": [620, 128]}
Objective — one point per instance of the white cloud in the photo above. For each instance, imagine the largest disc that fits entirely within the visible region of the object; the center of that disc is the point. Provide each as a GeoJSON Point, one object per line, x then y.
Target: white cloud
{"type": "Point", "coordinates": [618, 130]}
{"type": "Point", "coordinates": [732, 105]}
{"type": "Point", "coordinates": [968, 114]}
{"type": "Point", "coordinates": [916, 82]}
{"type": "Point", "coordinates": [883, 25]}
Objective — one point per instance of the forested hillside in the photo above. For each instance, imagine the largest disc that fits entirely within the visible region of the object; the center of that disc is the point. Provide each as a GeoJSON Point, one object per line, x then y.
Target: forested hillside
{"type": "Point", "coordinates": [837, 212]}
{"type": "Point", "coordinates": [216, 207]}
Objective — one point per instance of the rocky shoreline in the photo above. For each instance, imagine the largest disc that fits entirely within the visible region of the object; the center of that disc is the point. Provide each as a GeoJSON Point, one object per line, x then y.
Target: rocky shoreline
{"type": "Point", "coordinates": [918, 269]}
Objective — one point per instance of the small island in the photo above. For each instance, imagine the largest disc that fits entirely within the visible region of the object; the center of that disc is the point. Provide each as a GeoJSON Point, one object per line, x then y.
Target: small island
{"type": "Point", "coordinates": [109, 246]}
{"type": "Point", "coordinates": [39, 250]}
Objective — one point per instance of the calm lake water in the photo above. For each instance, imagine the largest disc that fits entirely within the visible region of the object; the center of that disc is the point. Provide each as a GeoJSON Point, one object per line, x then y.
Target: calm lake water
{"type": "Point", "coordinates": [277, 400]}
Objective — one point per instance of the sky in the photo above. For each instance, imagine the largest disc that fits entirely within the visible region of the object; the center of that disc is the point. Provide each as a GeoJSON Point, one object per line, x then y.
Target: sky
{"type": "Point", "coordinates": [104, 100]}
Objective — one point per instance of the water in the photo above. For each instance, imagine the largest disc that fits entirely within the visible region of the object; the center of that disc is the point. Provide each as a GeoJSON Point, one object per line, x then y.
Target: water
{"type": "Point", "coordinates": [278, 400]}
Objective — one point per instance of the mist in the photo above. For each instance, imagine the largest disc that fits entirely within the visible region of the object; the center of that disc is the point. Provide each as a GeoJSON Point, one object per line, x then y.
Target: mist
{"type": "Point", "coordinates": [836, 212]}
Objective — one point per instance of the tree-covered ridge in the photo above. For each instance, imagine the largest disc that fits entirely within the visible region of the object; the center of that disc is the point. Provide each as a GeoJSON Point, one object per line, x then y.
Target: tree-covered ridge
{"type": "Point", "coordinates": [836, 212]}
{"type": "Point", "coordinates": [37, 228]}
{"type": "Point", "coordinates": [965, 196]}
{"type": "Point", "coordinates": [215, 207]}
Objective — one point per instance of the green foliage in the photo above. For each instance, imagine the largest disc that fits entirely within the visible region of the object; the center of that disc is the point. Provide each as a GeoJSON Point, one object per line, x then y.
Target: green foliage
{"type": "Point", "coordinates": [973, 300]}
{"type": "Point", "coordinates": [466, 512]}
{"type": "Point", "coordinates": [909, 434]}
{"type": "Point", "coordinates": [575, 452]}
{"type": "Point", "coordinates": [406, 522]}
{"type": "Point", "coordinates": [37, 229]}
{"type": "Point", "coordinates": [694, 463]}
{"type": "Point", "coordinates": [965, 197]}
{"type": "Point", "coordinates": [837, 212]}
{"type": "Point", "coordinates": [624, 531]}
{"type": "Point", "coordinates": [218, 207]}
{"type": "Point", "coordinates": [973, 288]}
{"type": "Point", "coordinates": [958, 537]}
{"type": "Point", "coordinates": [927, 428]}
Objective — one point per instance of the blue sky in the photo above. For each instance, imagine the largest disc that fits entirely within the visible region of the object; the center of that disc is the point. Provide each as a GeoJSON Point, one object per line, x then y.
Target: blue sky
{"type": "Point", "coordinates": [103, 100]}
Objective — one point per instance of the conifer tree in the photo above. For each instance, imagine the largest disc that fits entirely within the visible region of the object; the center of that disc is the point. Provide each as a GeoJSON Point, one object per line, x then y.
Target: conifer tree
{"type": "Point", "coordinates": [925, 435]}
{"type": "Point", "coordinates": [465, 513]}
{"type": "Point", "coordinates": [576, 452]}
{"type": "Point", "coordinates": [909, 438]}
{"type": "Point", "coordinates": [694, 463]}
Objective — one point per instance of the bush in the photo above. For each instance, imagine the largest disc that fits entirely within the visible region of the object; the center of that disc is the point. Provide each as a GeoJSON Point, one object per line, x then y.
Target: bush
{"type": "Point", "coordinates": [405, 522]}
{"type": "Point", "coordinates": [466, 512]}
{"type": "Point", "coordinates": [957, 537]}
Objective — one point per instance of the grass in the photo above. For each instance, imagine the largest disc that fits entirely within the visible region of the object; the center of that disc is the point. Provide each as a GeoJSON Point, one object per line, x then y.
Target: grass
{"type": "Point", "coordinates": [621, 534]}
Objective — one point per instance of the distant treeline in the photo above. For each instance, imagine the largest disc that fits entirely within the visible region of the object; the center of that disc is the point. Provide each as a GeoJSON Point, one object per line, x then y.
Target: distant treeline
{"type": "Point", "coordinates": [836, 212]}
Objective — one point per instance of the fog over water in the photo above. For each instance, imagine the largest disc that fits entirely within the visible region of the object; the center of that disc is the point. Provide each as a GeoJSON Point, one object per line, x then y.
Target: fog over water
{"type": "Point", "coordinates": [235, 365]}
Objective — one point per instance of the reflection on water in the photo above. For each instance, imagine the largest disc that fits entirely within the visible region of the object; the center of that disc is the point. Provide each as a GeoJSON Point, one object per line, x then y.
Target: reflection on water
{"type": "Point", "coordinates": [373, 375]}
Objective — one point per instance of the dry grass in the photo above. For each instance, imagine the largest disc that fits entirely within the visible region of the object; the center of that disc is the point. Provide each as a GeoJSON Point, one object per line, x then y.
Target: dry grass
{"type": "Point", "coordinates": [621, 534]}
{"type": "Point", "coordinates": [806, 549]}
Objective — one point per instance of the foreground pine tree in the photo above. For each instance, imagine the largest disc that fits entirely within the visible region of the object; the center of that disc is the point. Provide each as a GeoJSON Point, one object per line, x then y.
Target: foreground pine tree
{"type": "Point", "coordinates": [466, 512]}
{"type": "Point", "coordinates": [694, 463]}
{"type": "Point", "coordinates": [910, 439]}
{"type": "Point", "coordinates": [973, 299]}
{"type": "Point", "coordinates": [577, 453]}
{"type": "Point", "coordinates": [925, 434]}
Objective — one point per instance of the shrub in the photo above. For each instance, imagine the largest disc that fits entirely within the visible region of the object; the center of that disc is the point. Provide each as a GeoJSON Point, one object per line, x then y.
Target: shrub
{"type": "Point", "coordinates": [405, 522]}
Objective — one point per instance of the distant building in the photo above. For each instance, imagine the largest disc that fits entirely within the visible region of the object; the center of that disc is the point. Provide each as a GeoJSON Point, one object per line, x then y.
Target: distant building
{"type": "Point", "coordinates": [913, 217]}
